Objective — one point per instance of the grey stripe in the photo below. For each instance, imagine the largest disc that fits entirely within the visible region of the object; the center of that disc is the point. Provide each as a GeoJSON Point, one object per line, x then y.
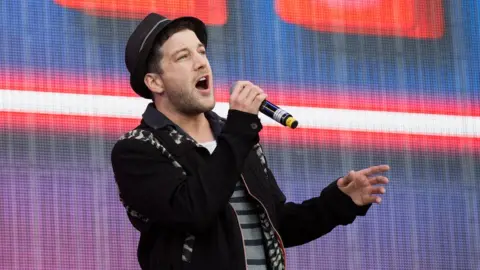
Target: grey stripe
{"type": "Point", "coordinates": [239, 193]}
{"type": "Point", "coordinates": [255, 253]}
{"type": "Point", "coordinates": [187, 248]}
{"type": "Point", "coordinates": [242, 206]}
{"type": "Point", "coordinates": [252, 234]}
{"type": "Point", "coordinates": [257, 267]}
{"type": "Point", "coordinates": [149, 33]}
{"type": "Point", "coordinates": [243, 219]}
{"type": "Point", "coordinates": [239, 186]}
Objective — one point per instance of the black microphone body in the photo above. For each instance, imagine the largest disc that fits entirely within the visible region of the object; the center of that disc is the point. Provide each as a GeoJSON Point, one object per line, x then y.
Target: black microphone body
{"type": "Point", "coordinates": [273, 111]}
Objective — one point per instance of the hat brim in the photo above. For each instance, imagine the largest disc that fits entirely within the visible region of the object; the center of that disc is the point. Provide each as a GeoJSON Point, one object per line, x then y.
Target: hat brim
{"type": "Point", "coordinates": [137, 77]}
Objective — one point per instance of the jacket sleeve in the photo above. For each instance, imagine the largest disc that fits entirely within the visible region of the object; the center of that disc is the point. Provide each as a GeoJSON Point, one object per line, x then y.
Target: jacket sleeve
{"type": "Point", "coordinates": [309, 220]}
{"type": "Point", "coordinates": [162, 194]}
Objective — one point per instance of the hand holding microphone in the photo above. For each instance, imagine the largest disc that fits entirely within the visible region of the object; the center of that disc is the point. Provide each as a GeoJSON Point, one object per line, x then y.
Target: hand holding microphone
{"type": "Point", "coordinates": [247, 97]}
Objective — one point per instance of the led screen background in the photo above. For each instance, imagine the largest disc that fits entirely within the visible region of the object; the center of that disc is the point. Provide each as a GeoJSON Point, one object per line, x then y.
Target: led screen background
{"type": "Point", "coordinates": [402, 90]}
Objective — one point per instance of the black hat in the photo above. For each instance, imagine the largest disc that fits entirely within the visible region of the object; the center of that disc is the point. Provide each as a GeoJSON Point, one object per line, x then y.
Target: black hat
{"type": "Point", "coordinates": [141, 42]}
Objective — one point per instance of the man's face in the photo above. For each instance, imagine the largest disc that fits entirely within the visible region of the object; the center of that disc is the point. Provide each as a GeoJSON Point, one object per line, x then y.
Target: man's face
{"type": "Point", "coordinates": [187, 75]}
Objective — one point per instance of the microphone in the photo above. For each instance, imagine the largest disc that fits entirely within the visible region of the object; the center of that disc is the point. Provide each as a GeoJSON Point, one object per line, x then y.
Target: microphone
{"type": "Point", "coordinates": [273, 111]}
{"type": "Point", "coordinates": [281, 116]}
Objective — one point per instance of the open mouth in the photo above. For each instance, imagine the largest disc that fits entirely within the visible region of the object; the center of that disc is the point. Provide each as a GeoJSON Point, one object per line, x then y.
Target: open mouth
{"type": "Point", "coordinates": [202, 83]}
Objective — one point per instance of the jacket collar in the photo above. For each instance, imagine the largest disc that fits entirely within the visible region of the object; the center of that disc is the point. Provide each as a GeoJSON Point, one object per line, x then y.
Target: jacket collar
{"type": "Point", "coordinates": [157, 120]}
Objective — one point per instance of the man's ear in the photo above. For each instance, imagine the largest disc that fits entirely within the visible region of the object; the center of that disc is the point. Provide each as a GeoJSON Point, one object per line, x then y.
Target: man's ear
{"type": "Point", "coordinates": [154, 82]}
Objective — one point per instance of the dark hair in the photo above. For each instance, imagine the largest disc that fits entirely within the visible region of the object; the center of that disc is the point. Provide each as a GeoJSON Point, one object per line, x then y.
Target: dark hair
{"type": "Point", "coordinates": [155, 56]}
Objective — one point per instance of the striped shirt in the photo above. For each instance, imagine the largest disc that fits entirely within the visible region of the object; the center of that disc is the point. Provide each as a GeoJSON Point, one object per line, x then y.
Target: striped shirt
{"type": "Point", "coordinates": [249, 222]}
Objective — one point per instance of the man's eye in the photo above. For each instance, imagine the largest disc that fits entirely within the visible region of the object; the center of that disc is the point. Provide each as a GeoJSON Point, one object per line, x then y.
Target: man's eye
{"type": "Point", "coordinates": [182, 57]}
{"type": "Point", "coordinates": [203, 52]}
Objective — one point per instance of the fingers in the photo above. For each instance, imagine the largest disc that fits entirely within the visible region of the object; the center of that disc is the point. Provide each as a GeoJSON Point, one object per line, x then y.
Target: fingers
{"type": "Point", "coordinates": [242, 96]}
{"type": "Point", "coordinates": [375, 180]}
{"type": "Point", "coordinates": [344, 181]}
{"type": "Point", "coordinates": [377, 190]}
{"type": "Point", "coordinates": [361, 188]}
{"type": "Point", "coordinates": [237, 89]}
{"type": "Point", "coordinates": [371, 199]}
{"type": "Point", "coordinates": [257, 99]}
{"type": "Point", "coordinates": [246, 97]}
{"type": "Point", "coordinates": [374, 170]}
{"type": "Point", "coordinates": [254, 91]}
{"type": "Point", "coordinates": [378, 180]}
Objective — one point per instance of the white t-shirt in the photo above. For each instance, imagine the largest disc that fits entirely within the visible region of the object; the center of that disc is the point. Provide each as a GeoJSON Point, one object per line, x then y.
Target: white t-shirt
{"type": "Point", "coordinates": [210, 146]}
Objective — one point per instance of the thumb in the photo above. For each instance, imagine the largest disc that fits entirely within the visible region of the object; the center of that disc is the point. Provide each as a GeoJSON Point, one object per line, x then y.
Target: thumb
{"type": "Point", "coordinates": [344, 181]}
{"type": "Point", "coordinates": [341, 182]}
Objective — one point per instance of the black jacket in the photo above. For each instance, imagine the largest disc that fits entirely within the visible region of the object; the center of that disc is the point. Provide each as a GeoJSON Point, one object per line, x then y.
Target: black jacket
{"type": "Point", "coordinates": [173, 188]}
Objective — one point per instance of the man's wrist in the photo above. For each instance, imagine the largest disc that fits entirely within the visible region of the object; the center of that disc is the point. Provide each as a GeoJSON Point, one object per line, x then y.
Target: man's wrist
{"type": "Point", "coordinates": [242, 122]}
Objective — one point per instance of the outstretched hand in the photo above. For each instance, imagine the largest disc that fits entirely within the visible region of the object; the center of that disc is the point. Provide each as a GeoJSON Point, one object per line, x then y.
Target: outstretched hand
{"type": "Point", "coordinates": [361, 185]}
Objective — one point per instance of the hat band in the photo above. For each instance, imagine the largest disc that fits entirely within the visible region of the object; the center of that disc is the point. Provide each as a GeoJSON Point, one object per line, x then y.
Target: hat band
{"type": "Point", "coordinates": [149, 33]}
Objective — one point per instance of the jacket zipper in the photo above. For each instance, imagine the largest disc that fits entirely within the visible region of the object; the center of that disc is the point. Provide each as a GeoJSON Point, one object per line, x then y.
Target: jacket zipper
{"type": "Point", "coordinates": [241, 234]}
{"type": "Point", "coordinates": [266, 212]}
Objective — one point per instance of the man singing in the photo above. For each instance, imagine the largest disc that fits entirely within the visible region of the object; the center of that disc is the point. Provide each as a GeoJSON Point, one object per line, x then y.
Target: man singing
{"type": "Point", "coordinates": [197, 186]}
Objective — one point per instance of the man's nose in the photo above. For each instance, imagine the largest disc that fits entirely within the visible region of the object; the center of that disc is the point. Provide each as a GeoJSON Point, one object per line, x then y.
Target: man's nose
{"type": "Point", "coordinates": [200, 61]}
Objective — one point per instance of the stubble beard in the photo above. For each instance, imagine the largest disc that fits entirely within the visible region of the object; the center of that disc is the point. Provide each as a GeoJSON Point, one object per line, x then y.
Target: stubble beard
{"type": "Point", "coordinates": [189, 102]}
